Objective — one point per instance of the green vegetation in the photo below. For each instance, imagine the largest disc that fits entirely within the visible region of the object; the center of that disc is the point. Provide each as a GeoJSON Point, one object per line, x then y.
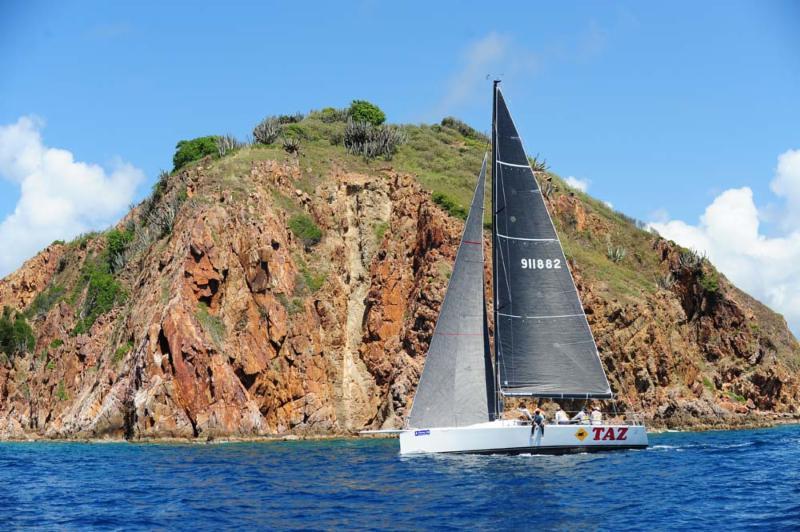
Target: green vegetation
{"type": "Point", "coordinates": [464, 129]}
{"type": "Point", "coordinates": [117, 241]}
{"type": "Point", "coordinates": [51, 365]}
{"type": "Point", "coordinates": [708, 384]}
{"type": "Point", "coordinates": [103, 292]}
{"type": "Point", "coordinates": [307, 281]}
{"type": "Point", "coordinates": [380, 230]}
{"type": "Point", "coordinates": [305, 229]}
{"type": "Point", "coordinates": [267, 131]}
{"type": "Point", "coordinates": [369, 141]}
{"type": "Point", "coordinates": [55, 344]}
{"type": "Point", "coordinates": [210, 323]}
{"type": "Point", "coordinates": [709, 282]}
{"type": "Point", "coordinates": [82, 241]}
{"type": "Point", "coordinates": [330, 115]}
{"type": "Point", "coordinates": [121, 351]}
{"type": "Point", "coordinates": [736, 397]}
{"type": "Point", "coordinates": [187, 151]}
{"type": "Point", "coordinates": [445, 202]}
{"type": "Point", "coordinates": [16, 336]}
{"type": "Point", "coordinates": [61, 391]}
{"type": "Point", "coordinates": [44, 301]}
{"type": "Point", "coordinates": [364, 111]}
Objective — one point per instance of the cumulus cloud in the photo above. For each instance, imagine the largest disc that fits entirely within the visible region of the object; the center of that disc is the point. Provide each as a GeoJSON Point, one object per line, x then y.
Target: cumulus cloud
{"type": "Point", "coordinates": [730, 233]}
{"type": "Point", "coordinates": [59, 197]}
{"type": "Point", "coordinates": [577, 183]}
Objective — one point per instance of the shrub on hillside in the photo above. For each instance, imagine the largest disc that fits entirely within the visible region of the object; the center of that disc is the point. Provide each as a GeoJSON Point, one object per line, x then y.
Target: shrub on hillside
{"type": "Point", "coordinates": [362, 138]}
{"type": "Point", "coordinates": [364, 111]}
{"type": "Point", "coordinates": [187, 151]}
{"type": "Point", "coordinates": [445, 202]}
{"type": "Point", "coordinates": [103, 292]}
{"type": "Point", "coordinates": [267, 131]}
{"type": "Point", "coordinates": [305, 229]}
{"type": "Point", "coordinates": [290, 119]}
{"type": "Point", "coordinates": [330, 115]}
{"type": "Point", "coordinates": [464, 128]}
{"type": "Point", "coordinates": [16, 336]}
{"type": "Point", "coordinates": [116, 243]}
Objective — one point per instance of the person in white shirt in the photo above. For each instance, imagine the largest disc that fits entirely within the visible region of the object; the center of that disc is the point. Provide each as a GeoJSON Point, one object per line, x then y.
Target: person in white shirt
{"type": "Point", "coordinates": [561, 417]}
{"type": "Point", "coordinates": [580, 418]}
{"type": "Point", "coordinates": [597, 416]}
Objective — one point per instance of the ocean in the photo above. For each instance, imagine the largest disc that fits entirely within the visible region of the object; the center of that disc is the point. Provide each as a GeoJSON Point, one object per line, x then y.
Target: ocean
{"type": "Point", "coordinates": [714, 480]}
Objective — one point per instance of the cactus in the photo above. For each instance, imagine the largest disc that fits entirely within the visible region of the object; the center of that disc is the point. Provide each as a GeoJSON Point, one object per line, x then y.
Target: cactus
{"type": "Point", "coordinates": [691, 260]}
{"type": "Point", "coordinates": [267, 131]}
{"type": "Point", "coordinates": [666, 282]}
{"type": "Point", "coordinates": [227, 144]}
{"type": "Point", "coordinates": [362, 138]}
{"type": "Point", "coordinates": [291, 145]}
{"type": "Point", "coordinates": [616, 253]}
{"type": "Point", "coordinates": [537, 164]}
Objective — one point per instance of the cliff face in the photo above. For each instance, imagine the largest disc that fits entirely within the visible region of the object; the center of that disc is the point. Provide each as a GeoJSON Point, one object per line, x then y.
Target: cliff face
{"type": "Point", "coordinates": [232, 325]}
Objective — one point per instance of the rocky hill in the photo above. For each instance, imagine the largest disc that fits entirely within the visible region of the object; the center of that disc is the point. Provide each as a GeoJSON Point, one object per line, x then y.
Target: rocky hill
{"type": "Point", "coordinates": [273, 291]}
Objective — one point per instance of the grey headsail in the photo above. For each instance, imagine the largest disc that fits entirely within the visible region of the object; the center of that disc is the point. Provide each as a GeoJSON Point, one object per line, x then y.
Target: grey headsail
{"type": "Point", "coordinates": [543, 343]}
{"type": "Point", "coordinates": [457, 384]}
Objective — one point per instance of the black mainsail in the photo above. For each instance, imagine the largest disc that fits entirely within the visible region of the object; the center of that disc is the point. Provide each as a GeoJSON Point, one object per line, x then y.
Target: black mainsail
{"type": "Point", "coordinates": [456, 387]}
{"type": "Point", "coordinates": [543, 344]}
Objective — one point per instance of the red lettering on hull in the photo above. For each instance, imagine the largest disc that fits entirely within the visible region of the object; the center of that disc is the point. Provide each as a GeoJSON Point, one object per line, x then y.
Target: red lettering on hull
{"type": "Point", "coordinates": [608, 434]}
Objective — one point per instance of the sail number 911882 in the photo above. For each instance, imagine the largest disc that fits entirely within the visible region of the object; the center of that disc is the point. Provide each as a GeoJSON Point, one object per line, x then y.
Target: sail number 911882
{"type": "Point", "coordinates": [541, 264]}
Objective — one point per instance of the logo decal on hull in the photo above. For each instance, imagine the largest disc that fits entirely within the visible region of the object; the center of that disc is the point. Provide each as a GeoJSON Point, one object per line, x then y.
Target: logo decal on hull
{"type": "Point", "coordinates": [425, 432]}
{"type": "Point", "coordinates": [581, 434]}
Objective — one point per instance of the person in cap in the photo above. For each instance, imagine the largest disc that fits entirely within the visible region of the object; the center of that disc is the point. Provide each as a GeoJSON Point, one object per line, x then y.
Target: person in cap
{"type": "Point", "coordinates": [561, 416]}
{"type": "Point", "coordinates": [596, 416]}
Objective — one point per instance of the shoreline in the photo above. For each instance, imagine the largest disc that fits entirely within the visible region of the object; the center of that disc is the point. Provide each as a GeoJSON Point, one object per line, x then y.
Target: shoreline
{"type": "Point", "coordinates": [766, 424]}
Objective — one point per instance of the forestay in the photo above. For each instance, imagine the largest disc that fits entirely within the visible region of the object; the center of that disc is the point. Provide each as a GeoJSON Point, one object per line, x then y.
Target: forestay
{"type": "Point", "coordinates": [544, 345]}
{"type": "Point", "coordinates": [457, 385]}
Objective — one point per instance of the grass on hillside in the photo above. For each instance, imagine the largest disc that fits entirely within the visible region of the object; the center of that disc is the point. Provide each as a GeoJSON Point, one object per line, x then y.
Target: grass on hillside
{"type": "Point", "coordinates": [447, 163]}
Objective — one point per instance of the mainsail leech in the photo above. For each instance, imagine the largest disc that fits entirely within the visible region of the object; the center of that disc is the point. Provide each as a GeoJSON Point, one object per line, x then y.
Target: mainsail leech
{"type": "Point", "coordinates": [456, 387]}
{"type": "Point", "coordinates": [544, 346]}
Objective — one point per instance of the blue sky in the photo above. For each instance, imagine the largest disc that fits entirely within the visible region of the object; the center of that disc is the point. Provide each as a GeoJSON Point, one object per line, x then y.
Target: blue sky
{"type": "Point", "coordinates": [659, 108]}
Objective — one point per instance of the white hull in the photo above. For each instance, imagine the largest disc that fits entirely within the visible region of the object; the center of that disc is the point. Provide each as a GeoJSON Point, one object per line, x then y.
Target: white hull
{"type": "Point", "coordinates": [514, 437]}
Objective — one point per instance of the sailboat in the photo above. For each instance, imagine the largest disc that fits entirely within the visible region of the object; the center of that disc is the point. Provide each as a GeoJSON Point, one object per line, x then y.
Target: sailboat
{"type": "Point", "coordinates": [543, 345]}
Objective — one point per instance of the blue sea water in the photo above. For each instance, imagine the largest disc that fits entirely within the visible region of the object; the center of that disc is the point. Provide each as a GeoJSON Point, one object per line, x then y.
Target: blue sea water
{"type": "Point", "coordinates": [713, 480]}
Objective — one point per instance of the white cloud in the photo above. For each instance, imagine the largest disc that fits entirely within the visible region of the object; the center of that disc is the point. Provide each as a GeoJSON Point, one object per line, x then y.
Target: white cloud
{"type": "Point", "coordinates": [608, 204]}
{"type": "Point", "coordinates": [577, 183]}
{"type": "Point", "coordinates": [729, 233]}
{"type": "Point", "coordinates": [59, 197]}
{"type": "Point", "coordinates": [482, 58]}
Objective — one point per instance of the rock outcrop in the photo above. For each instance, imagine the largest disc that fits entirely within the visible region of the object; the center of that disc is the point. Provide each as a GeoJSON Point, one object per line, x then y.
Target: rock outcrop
{"type": "Point", "coordinates": [234, 326]}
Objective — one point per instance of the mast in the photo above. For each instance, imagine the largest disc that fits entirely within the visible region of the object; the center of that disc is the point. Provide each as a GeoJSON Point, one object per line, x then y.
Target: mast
{"type": "Point", "coordinates": [543, 343]}
{"type": "Point", "coordinates": [498, 396]}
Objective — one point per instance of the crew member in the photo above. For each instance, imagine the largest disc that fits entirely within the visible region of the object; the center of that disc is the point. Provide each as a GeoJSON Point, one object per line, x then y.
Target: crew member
{"type": "Point", "coordinates": [597, 416]}
{"type": "Point", "coordinates": [538, 420]}
{"type": "Point", "coordinates": [581, 417]}
{"type": "Point", "coordinates": [561, 416]}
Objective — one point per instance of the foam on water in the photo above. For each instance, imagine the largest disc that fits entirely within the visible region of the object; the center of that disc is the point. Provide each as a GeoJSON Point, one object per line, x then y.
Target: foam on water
{"type": "Point", "coordinates": [720, 480]}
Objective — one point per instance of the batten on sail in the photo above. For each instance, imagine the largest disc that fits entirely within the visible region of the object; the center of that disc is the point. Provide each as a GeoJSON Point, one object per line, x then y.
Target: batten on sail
{"type": "Point", "coordinates": [544, 346]}
{"type": "Point", "coordinates": [457, 384]}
